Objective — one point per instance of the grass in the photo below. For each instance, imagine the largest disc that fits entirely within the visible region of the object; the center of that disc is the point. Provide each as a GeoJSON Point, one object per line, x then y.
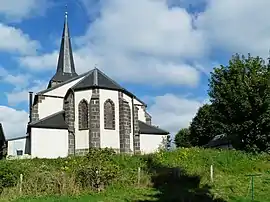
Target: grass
{"type": "Point", "coordinates": [180, 175]}
{"type": "Point", "coordinates": [111, 195]}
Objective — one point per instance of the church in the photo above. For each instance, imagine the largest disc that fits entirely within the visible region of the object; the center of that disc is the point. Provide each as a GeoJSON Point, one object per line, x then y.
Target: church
{"type": "Point", "coordinates": [78, 112]}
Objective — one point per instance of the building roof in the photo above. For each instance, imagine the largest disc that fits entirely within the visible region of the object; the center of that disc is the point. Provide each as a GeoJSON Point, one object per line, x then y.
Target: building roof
{"type": "Point", "coordinates": [97, 79]}
{"type": "Point", "coordinates": [145, 128]}
{"type": "Point", "coordinates": [54, 121]}
{"type": "Point", "coordinates": [61, 84]}
{"type": "Point", "coordinates": [219, 141]}
{"type": "Point", "coordinates": [65, 67]}
{"type": "Point", "coordinates": [2, 134]}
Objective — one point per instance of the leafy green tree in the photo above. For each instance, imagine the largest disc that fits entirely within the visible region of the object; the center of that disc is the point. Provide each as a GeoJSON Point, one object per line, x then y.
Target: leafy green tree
{"type": "Point", "coordinates": [240, 93]}
{"type": "Point", "coordinates": [181, 139]}
{"type": "Point", "coordinates": [204, 126]}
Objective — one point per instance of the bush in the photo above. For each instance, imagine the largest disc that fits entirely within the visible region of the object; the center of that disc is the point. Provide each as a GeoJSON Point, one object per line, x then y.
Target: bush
{"type": "Point", "coordinates": [9, 175]}
{"type": "Point", "coordinates": [98, 169]}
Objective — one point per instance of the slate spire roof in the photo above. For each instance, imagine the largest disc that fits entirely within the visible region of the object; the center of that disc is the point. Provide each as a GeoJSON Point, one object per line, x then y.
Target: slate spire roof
{"type": "Point", "coordinates": [65, 67]}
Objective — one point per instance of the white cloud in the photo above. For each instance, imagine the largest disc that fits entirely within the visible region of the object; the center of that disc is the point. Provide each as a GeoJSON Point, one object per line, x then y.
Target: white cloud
{"type": "Point", "coordinates": [40, 62]}
{"type": "Point", "coordinates": [140, 41]}
{"type": "Point", "coordinates": [238, 26]}
{"type": "Point", "coordinates": [172, 112]}
{"type": "Point", "coordinates": [22, 83]}
{"type": "Point", "coordinates": [19, 95]}
{"type": "Point", "coordinates": [19, 80]}
{"type": "Point", "coordinates": [14, 10]}
{"type": "Point", "coordinates": [149, 27]}
{"type": "Point", "coordinates": [14, 121]}
{"type": "Point", "coordinates": [14, 40]}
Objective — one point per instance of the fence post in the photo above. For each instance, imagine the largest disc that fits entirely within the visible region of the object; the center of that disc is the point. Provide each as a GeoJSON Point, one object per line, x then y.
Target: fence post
{"type": "Point", "coordinates": [211, 174]}
{"type": "Point", "coordinates": [21, 181]}
{"type": "Point", "coordinates": [252, 184]}
{"type": "Point", "coordinates": [139, 175]}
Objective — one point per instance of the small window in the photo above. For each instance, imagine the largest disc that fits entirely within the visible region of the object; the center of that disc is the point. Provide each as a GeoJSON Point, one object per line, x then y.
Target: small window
{"type": "Point", "coordinates": [83, 115]}
{"type": "Point", "coordinates": [109, 115]}
{"type": "Point", "coordinates": [19, 152]}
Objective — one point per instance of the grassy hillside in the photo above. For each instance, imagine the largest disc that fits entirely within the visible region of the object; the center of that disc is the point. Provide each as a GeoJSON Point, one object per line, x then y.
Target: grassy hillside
{"type": "Point", "coordinates": [181, 175]}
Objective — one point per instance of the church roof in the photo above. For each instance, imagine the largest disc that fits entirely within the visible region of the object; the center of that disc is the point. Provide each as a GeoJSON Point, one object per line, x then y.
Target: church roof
{"type": "Point", "coordinates": [145, 128]}
{"type": "Point", "coordinates": [61, 84]}
{"type": "Point", "coordinates": [65, 67]}
{"type": "Point", "coordinates": [97, 78]}
{"type": "Point", "coordinates": [55, 121]}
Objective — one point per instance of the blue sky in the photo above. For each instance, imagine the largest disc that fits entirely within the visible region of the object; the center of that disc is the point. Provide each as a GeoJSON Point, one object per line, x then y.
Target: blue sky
{"type": "Point", "coordinates": [161, 50]}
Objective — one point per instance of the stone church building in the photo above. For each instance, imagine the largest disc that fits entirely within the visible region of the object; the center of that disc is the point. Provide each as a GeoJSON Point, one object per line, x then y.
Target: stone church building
{"type": "Point", "coordinates": [78, 112]}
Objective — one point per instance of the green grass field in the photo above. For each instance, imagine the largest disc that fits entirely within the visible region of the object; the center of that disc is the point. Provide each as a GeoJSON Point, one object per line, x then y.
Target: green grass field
{"type": "Point", "coordinates": [181, 175]}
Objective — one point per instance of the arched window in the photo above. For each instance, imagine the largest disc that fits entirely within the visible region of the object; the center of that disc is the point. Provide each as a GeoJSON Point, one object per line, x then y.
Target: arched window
{"type": "Point", "coordinates": [83, 115]}
{"type": "Point", "coordinates": [109, 115]}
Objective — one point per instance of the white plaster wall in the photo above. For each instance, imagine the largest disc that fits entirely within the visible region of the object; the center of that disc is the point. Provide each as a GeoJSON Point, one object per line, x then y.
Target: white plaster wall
{"type": "Point", "coordinates": [81, 136]}
{"type": "Point", "coordinates": [49, 143]}
{"type": "Point", "coordinates": [150, 143]}
{"type": "Point", "coordinates": [141, 114]}
{"type": "Point", "coordinates": [129, 99]}
{"type": "Point", "coordinates": [15, 145]}
{"type": "Point", "coordinates": [62, 90]}
{"type": "Point", "coordinates": [109, 138]}
{"type": "Point", "coordinates": [49, 106]}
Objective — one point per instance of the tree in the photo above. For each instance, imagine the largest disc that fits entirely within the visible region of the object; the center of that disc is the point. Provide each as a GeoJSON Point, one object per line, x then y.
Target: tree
{"type": "Point", "coordinates": [181, 139]}
{"type": "Point", "coordinates": [240, 93]}
{"type": "Point", "coordinates": [204, 126]}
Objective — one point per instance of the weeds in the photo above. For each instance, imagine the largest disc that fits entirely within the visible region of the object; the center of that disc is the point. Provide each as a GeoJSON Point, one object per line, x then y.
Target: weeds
{"type": "Point", "coordinates": [102, 170]}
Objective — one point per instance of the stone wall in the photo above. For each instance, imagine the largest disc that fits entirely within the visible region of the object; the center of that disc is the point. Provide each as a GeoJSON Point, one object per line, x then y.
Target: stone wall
{"type": "Point", "coordinates": [94, 120]}
{"type": "Point", "coordinates": [136, 137]}
{"type": "Point", "coordinates": [124, 124]}
{"type": "Point", "coordinates": [69, 107]}
{"type": "Point", "coordinates": [81, 152]}
{"type": "Point", "coordinates": [35, 115]}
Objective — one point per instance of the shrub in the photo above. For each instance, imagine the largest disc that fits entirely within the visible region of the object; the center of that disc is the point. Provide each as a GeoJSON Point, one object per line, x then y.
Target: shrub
{"type": "Point", "coordinates": [9, 175]}
{"type": "Point", "coordinates": [98, 169]}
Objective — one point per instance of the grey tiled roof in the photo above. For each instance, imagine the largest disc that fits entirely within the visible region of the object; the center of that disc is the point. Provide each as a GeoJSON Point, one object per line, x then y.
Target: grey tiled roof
{"type": "Point", "coordinates": [61, 84]}
{"type": "Point", "coordinates": [219, 141]}
{"type": "Point", "coordinates": [145, 128]}
{"type": "Point", "coordinates": [97, 78]}
{"type": "Point", "coordinates": [54, 121]}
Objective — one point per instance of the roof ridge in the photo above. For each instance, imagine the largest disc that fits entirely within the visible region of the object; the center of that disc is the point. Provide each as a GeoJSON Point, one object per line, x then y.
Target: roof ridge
{"type": "Point", "coordinates": [61, 84]}
{"type": "Point", "coordinates": [107, 77]}
{"type": "Point", "coordinates": [119, 85]}
{"type": "Point", "coordinates": [86, 75]}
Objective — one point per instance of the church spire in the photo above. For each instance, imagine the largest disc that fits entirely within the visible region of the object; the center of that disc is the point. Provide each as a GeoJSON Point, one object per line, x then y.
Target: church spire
{"type": "Point", "coordinates": [65, 67]}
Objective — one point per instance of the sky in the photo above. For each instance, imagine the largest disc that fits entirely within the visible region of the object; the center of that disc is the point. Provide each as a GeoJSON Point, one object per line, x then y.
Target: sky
{"type": "Point", "coordinates": [161, 50]}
